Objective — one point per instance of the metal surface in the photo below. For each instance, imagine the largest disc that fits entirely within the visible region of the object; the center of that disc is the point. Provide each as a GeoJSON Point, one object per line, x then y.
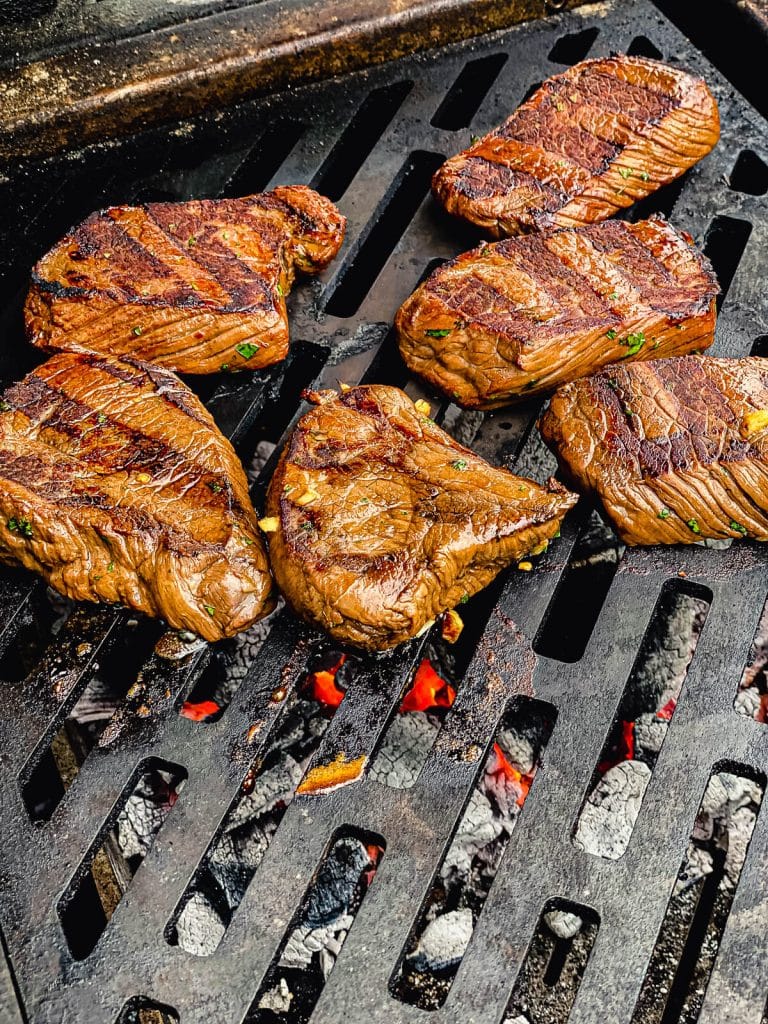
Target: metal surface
{"type": "Point", "coordinates": [131, 77]}
{"type": "Point", "coordinates": [388, 210]}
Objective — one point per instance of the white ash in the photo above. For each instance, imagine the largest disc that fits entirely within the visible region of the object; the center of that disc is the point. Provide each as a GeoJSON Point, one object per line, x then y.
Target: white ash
{"type": "Point", "coordinates": [145, 811]}
{"type": "Point", "coordinates": [649, 734]}
{"type": "Point", "coordinates": [563, 923]}
{"type": "Point", "coordinates": [444, 941]}
{"type": "Point", "coordinates": [725, 794]}
{"type": "Point", "coordinates": [477, 828]}
{"type": "Point", "coordinates": [609, 815]}
{"type": "Point", "coordinates": [306, 941]}
{"type": "Point", "coordinates": [749, 702]}
{"type": "Point", "coordinates": [199, 927]}
{"type": "Point", "coordinates": [278, 999]}
{"type": "Point", "coordinates": [698, 863]}
{"type": "Point", "coordinates": [520, 746]}
{"type": "Point", "coordinates": [520, 1019]}
{"type": "Point", "coordinates": [406, 746]}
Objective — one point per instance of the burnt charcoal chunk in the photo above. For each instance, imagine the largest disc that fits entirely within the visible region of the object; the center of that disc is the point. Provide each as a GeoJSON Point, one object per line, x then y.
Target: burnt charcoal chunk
{"type": "Point", "coordinates": [523, 316]}
{"type": "Point", "coordinates": [589, 142]}
{"type": "Point", "coordinates": [117, 486]}
{"type": "Point", "coordinates": [196, 287]}
{"type": "Point", "coordinates": [676, 449]}
{"type": "Point", "coordinates": [382, 521]}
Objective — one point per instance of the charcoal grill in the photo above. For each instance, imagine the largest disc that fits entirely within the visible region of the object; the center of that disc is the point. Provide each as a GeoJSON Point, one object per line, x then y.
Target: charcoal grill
{"type": "Point", "coordinates": [371, 140]}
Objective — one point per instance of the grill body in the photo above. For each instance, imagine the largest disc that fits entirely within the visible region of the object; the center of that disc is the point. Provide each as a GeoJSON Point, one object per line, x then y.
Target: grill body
{"type": "Point", "coordinates": [340, 328]}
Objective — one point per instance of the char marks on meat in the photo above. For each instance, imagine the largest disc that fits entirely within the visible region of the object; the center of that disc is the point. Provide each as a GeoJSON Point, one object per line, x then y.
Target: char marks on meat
{"type": "Point", "coordinates": [383, 521]}
{"type": "Point", "coordinates": [676, 449]}
{"type": "Point", "coordinates": [117, 486]}
{"type": "Point", "coordinates": [524, 315]}
{"type": "Point", "coordinates": [196, 287]}
{"type": "Point", "coordinates": [589, 142]}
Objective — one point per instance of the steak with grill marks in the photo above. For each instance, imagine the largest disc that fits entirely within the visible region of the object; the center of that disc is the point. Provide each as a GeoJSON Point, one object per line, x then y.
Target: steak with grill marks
{"type": "Point", "coordinates": [588, 142]}
{"type": "Point", "coordinates": [382, 521]}
{"type": "Point", "coordinates": [525, 315]}
{"type": "Point", "coordinates": [196, 287]}
{"type": "Point", "coordinates": [117, 486]}
{"type": "Point", "coordinates": [676, 449]}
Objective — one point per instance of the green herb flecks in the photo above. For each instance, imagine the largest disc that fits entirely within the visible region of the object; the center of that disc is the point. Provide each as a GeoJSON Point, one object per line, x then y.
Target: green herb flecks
{"type": "Point", "coordinates": [664, 514]}
{"type": "Point", "coordinates": [460, 464]}
{"type": "Point", "coordinates": [693, 526]}
{"type": "Point", "coordinates": [634, 343]}
{"type": "Point", "coordinates": [464, 598]}
{"type": "Point", "coordinates": [210, 609]}
{"type": "Point", "coordinates": [613, 295]}
{"type": "Point", "coordinates": [101, 419]}
{"type": "Point", "coordinates": [247, 349]}
{"type": "Point", "coordinates": [137, 331]}
{"type": "Point", "coordinates": [20, 525]}
{"type": "Point", "coordinates": [738, 528]}
{"type": "Point", "coordinates": [111, 567]}
{"type": "Point", "coordinates": [224, 366]}
{"type": "Point", "coordinates": [626, 172]}
{"type": "Point", "coordinates": [4, 406]}
{"type": "Point", "coordinates": [474, 139]}
{"type": "Point", "coordinates": [433, 332]}
{"type": "Point", "coordinates": [643, 175]}
{"type": "Point", "coordinates": [215, 486]}
{"type": "Point", "coordinates": [610, 335]}
{"type": "Point", "coordinates": [280, 289]}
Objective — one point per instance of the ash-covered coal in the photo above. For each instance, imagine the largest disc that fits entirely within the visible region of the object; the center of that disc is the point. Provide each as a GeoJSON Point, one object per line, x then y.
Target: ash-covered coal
{"type": "Point", "coordinates": [752, 697]}
{"type": "Point", "coordinates": [233, 858]}
{"type": "Point", "coordinates": [293, 984]}
{"type": "Point", "coordinates": [466, 873]}
{"type": "Point", "coordinates": [608, 817]}
{"type": "Point", "coordinates": [695, 919]}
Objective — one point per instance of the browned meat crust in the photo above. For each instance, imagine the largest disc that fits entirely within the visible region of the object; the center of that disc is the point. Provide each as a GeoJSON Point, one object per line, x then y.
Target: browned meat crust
{"type": "Point", "coordinates": [116, 485]}
{"type": "Point", "coordinates": [676, 449]}
{"type": "Point", "coordinates": [384, 521]}
{"type": "Point", "coordinates": [196, 287]}
{"type": "Point", "coordinates": [590, 141]}
{"type": "Point", "coordinates": [525, 315]}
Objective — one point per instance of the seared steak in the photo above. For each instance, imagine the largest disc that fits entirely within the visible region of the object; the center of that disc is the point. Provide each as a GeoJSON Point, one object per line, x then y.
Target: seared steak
{"type": "Point", "coordinates": [527, 314]}
{"type": "Point", "coordinates": [196, 287]}
{"type": "Point", "coordinates": [382, 521]}
{"type": "Point", "coordinates": [587, 143]}
{"type": "Point", "coordinates": [676, 449]}
{"type": "Point", "coordinates": [116, 485]}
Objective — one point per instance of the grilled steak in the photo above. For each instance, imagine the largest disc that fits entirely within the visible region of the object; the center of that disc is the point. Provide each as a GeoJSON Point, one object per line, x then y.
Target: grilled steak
{"type": "Point", "coordinates": [196, 287]}
{"type": "Point", "coordinates": [382, 521]}
{"type": "Point", "coordinates": [587, 143]}
{"type": "Point", "coordinates": [527, 314]}
{"type": "Point", "coordinates": [117, 486]}
{"type": "Point", "coordinates": [676, 449]}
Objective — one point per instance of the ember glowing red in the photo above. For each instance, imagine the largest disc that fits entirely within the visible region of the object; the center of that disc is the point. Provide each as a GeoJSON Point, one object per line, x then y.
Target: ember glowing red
{"type": "Point", "coordinates": [428, 690]}
{"type": "Point", "coordinates": [200, 711]}
{"type": "Point", "coordinates": [322, 684]}
{"type": "Point", "coordinates": [623, 748]}
{"type": "Point", "coordinates": [668, 710]}
{"type": "Point", "coordinates": [500, 764]}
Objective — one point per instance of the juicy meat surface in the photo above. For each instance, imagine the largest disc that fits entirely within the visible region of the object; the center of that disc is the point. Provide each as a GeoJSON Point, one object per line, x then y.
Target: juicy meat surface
{"type": "Point", "coordinates": [525, 315]}
{"type": "Point", "coordinates": [196, 287]}
{"type": "Point", "coordinates": [588, 142]}
{"type": "Point", "coordinates": [117, 486]}
{"type": "Point", "coordinates": [383, 521]}
{"type": "Point", "coordinates": [676, 449]}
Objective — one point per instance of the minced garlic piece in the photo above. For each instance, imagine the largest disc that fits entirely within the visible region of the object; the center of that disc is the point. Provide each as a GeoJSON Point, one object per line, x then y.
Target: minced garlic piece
{"type": "Point", "coordinates": [525, 566]}
{"type": "Point", "coordinates": [144, 478]}
{"type": "Point", "coordinates": [451, 626]}
{"type": "Point", "coordinates": [307, 497]}
{"type": "Point", "coordinates": [423, 407]}
{"type": "Point", "coordinates": [269, 524]}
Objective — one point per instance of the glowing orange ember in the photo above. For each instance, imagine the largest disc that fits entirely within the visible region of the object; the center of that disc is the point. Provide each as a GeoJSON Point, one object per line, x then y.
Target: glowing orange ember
{"type": "Point", "coordinates": [428, 690]}
{"type": "Point", "coordinates": [668, 710]}
{"type": "Point", "coordinates": [323, 686]}
{"type": "Point", "coordinates": [200, 711]}
{"type": "Point", "coordinates": [501, 765]}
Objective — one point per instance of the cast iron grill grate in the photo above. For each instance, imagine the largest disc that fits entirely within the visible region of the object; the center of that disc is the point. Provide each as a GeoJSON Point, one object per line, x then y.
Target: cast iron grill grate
{"type": "Point", "coordinates": [408, 115]}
